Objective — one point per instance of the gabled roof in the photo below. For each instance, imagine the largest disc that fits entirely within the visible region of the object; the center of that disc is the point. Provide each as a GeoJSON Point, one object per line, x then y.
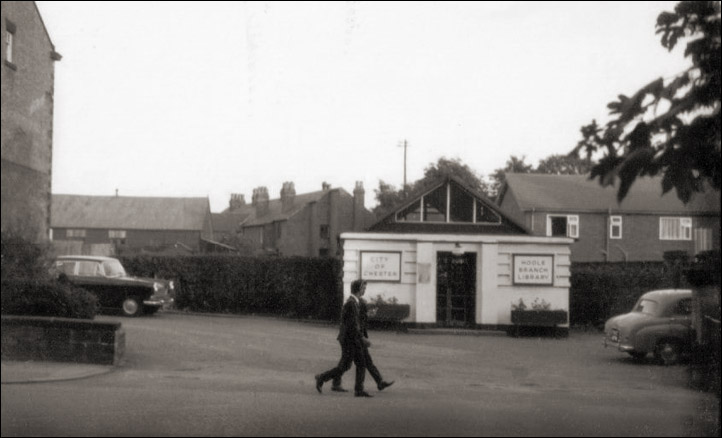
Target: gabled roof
{"type": "Point", "coordinates": [275, 212]}
{"type": "Point", "coordinates": [578, 193]}
{"type": "Point", "coordinates": [508, 224]}
{"type": "Point", "coordinates": [128, 212]}
{"type": "Point", "coordinates": [227, 222]}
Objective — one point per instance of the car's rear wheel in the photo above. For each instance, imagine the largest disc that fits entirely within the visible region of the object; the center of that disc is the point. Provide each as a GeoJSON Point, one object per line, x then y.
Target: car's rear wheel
{"type": "Point", "coordinates": [668, 352]}
{"type": "Point", "coordinates": [132, 306]}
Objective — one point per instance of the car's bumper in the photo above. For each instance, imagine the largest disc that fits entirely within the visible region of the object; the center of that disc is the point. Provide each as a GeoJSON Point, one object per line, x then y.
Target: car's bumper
{"type": "Point", "coordinates": [158, 301]}
{"type": "Point", "coordinates": [618, 345]}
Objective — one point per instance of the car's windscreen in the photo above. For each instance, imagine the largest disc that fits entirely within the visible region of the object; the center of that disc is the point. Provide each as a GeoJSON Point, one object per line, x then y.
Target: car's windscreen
{"type": "Point", "coordinates": [646, 306]}
{"type": "Point", "coordinates": [113, 268]}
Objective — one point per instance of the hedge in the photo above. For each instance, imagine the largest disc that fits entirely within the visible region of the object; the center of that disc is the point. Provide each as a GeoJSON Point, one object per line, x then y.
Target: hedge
{"type": "Point", "coordinates": [29, 289]}
{"type": "Point", "coordinates": [47, 298]}
{"type": "Point", "coordinates": [601, 290]}
{"type": "Point", "coordinates": [298, 287]}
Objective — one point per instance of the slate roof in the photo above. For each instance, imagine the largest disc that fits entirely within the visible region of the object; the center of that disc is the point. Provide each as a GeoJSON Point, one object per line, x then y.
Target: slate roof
{"type": "Point", "coordinates": [275, 212]}
{"type": "Point", "coordinates": [128, 212]}
{"type": "Point", "coordinates": [578, 193]}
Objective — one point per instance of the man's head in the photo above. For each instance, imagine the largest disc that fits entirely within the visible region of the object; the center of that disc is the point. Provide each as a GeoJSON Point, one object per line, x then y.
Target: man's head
{"type": "Point", "coordinates": [358, 287]}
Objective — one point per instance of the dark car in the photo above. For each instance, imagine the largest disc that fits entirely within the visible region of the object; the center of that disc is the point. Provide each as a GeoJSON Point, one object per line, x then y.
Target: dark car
{"type": "Point", "coordinates": [659, 323]}
{"type": "Point", "coordinates": [106, 278]}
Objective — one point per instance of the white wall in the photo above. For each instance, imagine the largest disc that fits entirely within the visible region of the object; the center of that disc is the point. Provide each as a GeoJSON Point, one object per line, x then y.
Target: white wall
{"type": "Point", "coordinates": [494, 288]}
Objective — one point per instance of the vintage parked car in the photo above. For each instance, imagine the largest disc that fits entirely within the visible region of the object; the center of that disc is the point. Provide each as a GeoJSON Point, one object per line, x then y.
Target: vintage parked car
{"type": "Point", "coordinates": [659, 323]}
{"type": "Point", "coordinates": [106, 278]}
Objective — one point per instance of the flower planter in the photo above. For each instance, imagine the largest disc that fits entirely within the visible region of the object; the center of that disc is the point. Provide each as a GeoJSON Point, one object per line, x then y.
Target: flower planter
{"type": "Point", "coordinates": [388, 312]}
{"type": "Point", "coordinates": [542, 318]}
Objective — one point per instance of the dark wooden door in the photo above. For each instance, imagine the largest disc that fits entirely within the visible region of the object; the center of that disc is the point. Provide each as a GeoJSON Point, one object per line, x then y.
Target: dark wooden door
{"type": "Point", "coordinates": [455, 289]}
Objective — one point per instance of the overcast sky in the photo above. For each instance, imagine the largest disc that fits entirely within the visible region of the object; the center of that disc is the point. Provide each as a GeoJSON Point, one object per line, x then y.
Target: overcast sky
{"type": "Point", "coordinates": [212, 98]}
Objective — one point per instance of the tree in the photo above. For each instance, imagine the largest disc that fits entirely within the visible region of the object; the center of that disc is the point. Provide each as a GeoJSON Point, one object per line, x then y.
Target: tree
{"type": "Point", "coordinates": [388, 197]}
{"type": "Point", "coordinates": [513, 165]}
{"type": "Point", "coordinates": [683, 142]}
{"type": "Point", "coordinates": [564, 165]}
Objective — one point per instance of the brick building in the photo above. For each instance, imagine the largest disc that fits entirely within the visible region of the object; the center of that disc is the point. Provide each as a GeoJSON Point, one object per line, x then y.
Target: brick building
{"type": "Point", "coordinates": [307, 224]}
{"type": "Point", "coordinates": [642, 228]}
{"type": "Point", "coordinates": [135, 224]}
{"type": "Point", "coordinates": [28, 75]}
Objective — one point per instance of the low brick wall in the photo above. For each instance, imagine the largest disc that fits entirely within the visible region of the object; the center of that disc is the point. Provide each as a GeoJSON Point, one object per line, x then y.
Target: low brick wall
{"type": "Point", "coordinates": [62, 339]}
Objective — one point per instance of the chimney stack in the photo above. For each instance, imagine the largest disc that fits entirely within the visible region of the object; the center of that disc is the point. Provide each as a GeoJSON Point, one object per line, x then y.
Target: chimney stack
{"type": "Point", "coordinates": [237, 201]}
{"type": "Point", "coordinates": [359, 195]}
{"type": "Point", "coordinates": [288, 194]}
{"type": "Point", "coordinates": [260, 201]}
{"type": "Point", "coordinates": [325, 186]}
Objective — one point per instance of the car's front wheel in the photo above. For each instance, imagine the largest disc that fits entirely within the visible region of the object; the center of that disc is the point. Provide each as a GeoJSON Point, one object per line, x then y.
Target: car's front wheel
{"type": "Point", "coordinates": [132, 306]}
{"type": "Point", "coordinates": [668, 352]}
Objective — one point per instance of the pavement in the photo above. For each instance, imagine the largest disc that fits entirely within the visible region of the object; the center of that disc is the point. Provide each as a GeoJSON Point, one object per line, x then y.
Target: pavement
{"type": "Point", "coordinates": [33, 371]}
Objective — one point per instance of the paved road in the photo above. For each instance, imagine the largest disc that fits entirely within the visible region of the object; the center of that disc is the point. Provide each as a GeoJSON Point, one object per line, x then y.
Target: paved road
{"type": "Point", "coordinates": [201, 375]}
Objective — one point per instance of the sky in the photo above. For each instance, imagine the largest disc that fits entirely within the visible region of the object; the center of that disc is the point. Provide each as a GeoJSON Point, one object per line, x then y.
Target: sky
{"type": "Point", "coordinates": [211, 98]}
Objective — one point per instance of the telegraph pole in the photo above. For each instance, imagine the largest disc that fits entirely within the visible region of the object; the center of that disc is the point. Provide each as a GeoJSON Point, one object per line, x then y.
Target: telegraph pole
{"type": "Point", "coordinates": [405, 146]}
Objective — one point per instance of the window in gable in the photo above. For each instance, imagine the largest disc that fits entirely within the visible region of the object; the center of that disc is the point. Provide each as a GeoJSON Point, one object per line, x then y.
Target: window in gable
{"type": "Point", "coordinates": [435, 205]}
{"type": "Point", "coordinates": [462, 205]}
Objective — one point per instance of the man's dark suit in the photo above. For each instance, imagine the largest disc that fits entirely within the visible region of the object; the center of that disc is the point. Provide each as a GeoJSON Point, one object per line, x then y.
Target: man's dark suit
{"type": "Point", "coordinates": [350, 337]}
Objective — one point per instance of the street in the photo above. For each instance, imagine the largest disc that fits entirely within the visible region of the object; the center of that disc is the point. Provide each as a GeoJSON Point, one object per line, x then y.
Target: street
{"type": "Point", "coordinates": [234, 375]}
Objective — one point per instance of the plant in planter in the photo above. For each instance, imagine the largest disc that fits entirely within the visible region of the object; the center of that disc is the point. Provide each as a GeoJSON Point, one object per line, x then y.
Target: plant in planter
{"type": "Point", "coordinates": [380, 309]}
{"type": "Point", "coordinates": [540, 314]}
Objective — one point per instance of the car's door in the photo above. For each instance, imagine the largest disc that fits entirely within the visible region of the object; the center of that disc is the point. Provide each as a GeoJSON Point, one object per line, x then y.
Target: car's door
{"type": "Point", "coordinates": [680, 322]}
{"type": "Point", "coordinates": [90, 276]}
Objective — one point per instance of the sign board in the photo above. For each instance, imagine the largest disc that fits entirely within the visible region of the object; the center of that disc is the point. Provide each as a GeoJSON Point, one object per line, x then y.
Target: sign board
{"type": "Point", "coordinates": [380, 266]}
{"type": "Point", "coordinates": [534, 269]}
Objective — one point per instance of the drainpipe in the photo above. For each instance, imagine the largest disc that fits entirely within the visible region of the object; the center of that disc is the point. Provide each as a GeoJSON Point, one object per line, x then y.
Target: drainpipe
{"type": "Point", "coordinates": [606, 234]}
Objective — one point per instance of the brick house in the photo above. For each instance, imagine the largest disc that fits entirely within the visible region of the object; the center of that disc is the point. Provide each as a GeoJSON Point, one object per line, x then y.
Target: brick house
{"type": "Point", "coordinates": [642, 228]}
{"type": "Point", "coordinates": [307, 224]}
{"type": "Point", "coordinates": [135, 224]}
{"type": "Point", "coordinates": [28, 76]}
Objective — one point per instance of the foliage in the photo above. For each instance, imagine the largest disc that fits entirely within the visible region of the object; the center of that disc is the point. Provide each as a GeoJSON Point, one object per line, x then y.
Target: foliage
{"type": "Point", "coordinates": [47, 298]}
{"type": "Point", "coordinates": [601, 290]}
{"type": "Point", "coordinates": [388, 197]}
{"type": "Point", "coordinates": [28, 288]}
{"type": "Point", "coordinates": [513, 165]}
{"type": "Point", "coordinates": [682, 143]}
{"type": "Point", "coordinates": [378, 300]}
{"type": "Point", "coordinates": [289, 286]}
{"type": "Point", "coordinates": [535, 305]}
{"type": "Point", "coordinates": [564, 165]}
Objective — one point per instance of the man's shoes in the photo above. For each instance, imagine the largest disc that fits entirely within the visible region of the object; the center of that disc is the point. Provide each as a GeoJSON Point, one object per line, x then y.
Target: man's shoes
{"type": "Point", "coordinates": [362, 394]}
{"type": "Point", "coordinates": [384, 384]}
{"type": "Point", "coordinates": [338, 389]}
{"type": "Point", "coordinates": [319, 383]}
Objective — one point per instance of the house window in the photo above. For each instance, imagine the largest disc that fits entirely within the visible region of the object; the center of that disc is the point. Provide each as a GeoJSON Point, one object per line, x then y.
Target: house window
{"type": "Point", "coordinates": [323, 232]}
{"type": "Point", "coordinates": [675, 228]}
{"type": "Point", "coordinates": [116, 234]}
{"type": "Point", "coordinates": [702, 240]}
{"type": "Point", "coordinates": [563, 225]}
{"type": "Point", "coordinates": [75, 233]}
{"type": "Point", "coordinates": [615, 227]}
{"type": "Point", "coordinates": [9, 42]}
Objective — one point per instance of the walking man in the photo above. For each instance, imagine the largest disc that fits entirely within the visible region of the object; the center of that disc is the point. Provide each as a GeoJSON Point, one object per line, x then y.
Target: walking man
{"type": "Point", "coordinates": [352, 343]}
{"type": "Point", "coordinates": [381, 384]}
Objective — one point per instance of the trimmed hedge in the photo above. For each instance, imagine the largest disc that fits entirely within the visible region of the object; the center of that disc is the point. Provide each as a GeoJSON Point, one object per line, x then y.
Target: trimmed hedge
{"type": "Point", "coordinates": [601, 290]}
{"type": "Point", "coordinates": [298, 287]}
